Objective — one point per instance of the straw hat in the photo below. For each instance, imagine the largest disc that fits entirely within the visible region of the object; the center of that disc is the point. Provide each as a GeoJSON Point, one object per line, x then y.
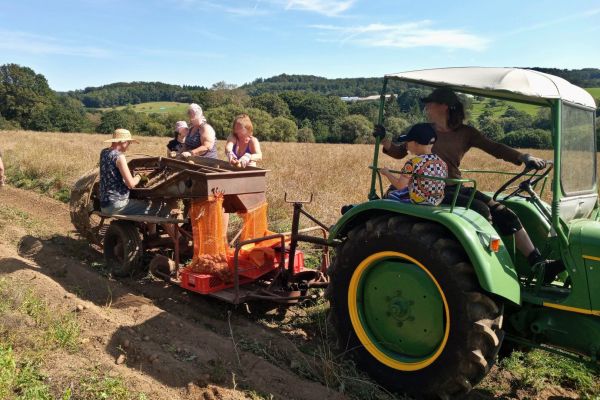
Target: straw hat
{"type": "Point", "coordinates": [121, 135]}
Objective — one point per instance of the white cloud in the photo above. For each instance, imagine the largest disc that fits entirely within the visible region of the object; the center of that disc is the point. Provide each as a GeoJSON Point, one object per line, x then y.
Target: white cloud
{"type": "Point", "coordinates": [407, 35]}
{"type": "Point", "coordinates": [233, 7]}
{"type": "Point", "coordinates": [265, 7]}
{"type": "Point", "coordinates": [24, 42]}
{"type": "Point", "coordinates": [558, 21]}
{"type": "Point", "coordinates": [326, 7]}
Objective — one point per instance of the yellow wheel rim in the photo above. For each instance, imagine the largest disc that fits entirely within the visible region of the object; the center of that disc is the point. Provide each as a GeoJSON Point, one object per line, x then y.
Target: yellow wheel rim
{"type": "Point", "coordinates": [358, 323]}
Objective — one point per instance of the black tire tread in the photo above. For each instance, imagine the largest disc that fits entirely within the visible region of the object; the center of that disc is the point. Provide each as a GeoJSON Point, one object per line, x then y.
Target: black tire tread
{"type": "Point", "coordinates": [485, 316]}
{"type": "Point", "coordinates": [128, 230]}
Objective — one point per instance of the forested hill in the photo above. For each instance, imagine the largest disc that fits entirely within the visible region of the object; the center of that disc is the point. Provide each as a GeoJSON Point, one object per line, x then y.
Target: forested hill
{"type": "Point", "coordinates": [360, 87]}
{"type": "Point", "coordinates": [120, 94]}
{"type": "Point", "coordinates": [586, 77]}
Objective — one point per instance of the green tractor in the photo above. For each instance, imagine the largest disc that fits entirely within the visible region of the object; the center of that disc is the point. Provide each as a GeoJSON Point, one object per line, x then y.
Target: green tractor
{"type": "Point", "coordinates": [424, 297]}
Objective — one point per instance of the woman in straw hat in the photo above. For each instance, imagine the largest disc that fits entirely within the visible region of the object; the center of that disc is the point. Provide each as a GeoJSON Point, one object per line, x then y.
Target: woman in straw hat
{"type": "Point", "coordinates": [202, 139]}
{"type": "Point", "coordinates": [116, 179]}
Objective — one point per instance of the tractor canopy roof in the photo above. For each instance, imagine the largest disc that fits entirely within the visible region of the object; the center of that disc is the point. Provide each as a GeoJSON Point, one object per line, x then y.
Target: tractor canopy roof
{"type": "Point", "coordinates": [522, 85]}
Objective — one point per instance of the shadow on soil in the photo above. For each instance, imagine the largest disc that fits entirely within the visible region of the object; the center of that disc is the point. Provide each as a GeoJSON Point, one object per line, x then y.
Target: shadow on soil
{"type": "Point", "coordinates": [190, 342]}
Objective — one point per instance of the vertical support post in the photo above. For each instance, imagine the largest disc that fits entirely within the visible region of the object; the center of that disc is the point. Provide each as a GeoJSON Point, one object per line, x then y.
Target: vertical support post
{"type": "Point", "coordinates": [293, 239]}
{"type": "Point", "coordinates": [556, 190]}
{"type": "Point", "coordinates": [176, 235]}
{"type": "Point", "coordinates": [372, 191]}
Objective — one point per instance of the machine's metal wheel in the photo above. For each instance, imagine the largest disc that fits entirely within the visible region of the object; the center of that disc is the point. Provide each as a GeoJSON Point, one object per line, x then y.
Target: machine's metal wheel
{"type": "Point", "coordinates": [123, 249]}
{"type": "Point", "coordinates": [162, 267]}
{"type": "Point", "coordinates": [81, 206]}
{"type": "Point", "coordinates": [405, 302]}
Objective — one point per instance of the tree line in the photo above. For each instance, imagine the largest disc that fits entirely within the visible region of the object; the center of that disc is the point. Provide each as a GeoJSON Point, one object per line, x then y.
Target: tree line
{"type": "Point", "coordinates": [283, 108]}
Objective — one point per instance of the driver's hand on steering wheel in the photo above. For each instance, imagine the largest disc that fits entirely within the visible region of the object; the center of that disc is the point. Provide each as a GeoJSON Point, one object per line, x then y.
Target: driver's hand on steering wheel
{"type": "Point", "coordinates": [532, 162]}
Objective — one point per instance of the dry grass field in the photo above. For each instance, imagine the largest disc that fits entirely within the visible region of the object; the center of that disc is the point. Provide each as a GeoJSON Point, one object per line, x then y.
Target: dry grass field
{"type": "Point", "coordinates": [78, 329]}
{"type": "Point", "coordinates": [336, 174]}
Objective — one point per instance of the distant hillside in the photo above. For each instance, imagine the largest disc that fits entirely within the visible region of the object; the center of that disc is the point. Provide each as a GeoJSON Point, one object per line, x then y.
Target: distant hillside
{"type": "Point", "coordinates": [360, 87]}
{"type": "Point", "coordinates": [120, 94]}
{"type": "Point", "coordinates": [586, 77]}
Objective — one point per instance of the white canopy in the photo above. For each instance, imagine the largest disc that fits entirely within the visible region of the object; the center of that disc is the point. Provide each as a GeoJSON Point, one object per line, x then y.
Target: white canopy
{"type": "Point", "coordinates": [505, 83]}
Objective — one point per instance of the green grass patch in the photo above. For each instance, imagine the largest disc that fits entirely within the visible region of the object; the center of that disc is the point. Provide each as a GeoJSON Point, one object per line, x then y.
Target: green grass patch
{"type": "Point", "coordinates": [64, 332]}
{"type": "Point", "coordinates": [10, 217]}
{"type": "Point", "coordinates": [155, 107]}
{"type": "Point", "coordinates": [35, 308]}
{"type": "Point", "coordinates": [500, 107]}
{"type": "Point", "coordinates": [595, 92]}
{"type": "Point", "coordinates": [21, 379]}
{"type": "Point", "coordinates": [52, 186]}
{"type": "Point", "coordinates": [24, 349]}
{"type": "Point", "coordinates": [103, 386]}
{"type": "Point", "coordinates": [538, 369]}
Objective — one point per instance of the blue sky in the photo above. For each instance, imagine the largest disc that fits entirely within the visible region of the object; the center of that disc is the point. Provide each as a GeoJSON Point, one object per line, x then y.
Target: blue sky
{"type": "Point", "coordinates": [199, 42]}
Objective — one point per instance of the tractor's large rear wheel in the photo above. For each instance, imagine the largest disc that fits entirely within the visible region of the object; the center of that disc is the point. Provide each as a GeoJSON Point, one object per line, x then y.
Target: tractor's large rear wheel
{"type": "Point", "coordinates": [406, 304]}
{"type": "Point", "coordinates": [81, 207]}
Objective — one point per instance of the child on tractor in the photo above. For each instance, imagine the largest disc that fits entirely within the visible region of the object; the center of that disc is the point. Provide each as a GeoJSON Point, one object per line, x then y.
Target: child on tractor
{"type": "Point", "coordinates": [411, 186]}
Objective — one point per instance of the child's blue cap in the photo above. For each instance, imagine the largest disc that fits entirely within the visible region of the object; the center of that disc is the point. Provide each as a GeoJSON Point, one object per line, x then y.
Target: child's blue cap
{"type": "Point", "coordinates": [421, 133]}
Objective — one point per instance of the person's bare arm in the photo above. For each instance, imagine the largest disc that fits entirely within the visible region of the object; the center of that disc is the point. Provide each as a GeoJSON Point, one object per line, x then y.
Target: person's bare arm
{"type": "Point", "coordinates": [399, 181]}
{"type": "Point", "coordinates": [2, 176]}
{"type": "Point", "coordinates": [207, 140]}
{"type": "Point", "coordinates": [229, 149]}
{"type": "Point", "coordinates": [255, 150]}
{"type": "Point", "coordinates": [129, 180]}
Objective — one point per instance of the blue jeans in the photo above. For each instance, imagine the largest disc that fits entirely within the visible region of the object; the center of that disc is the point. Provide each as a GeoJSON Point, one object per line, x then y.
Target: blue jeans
{"type": "Point", "coordinates": [137, 207]}
{"type": "Point", "coordinates": [401, 195]}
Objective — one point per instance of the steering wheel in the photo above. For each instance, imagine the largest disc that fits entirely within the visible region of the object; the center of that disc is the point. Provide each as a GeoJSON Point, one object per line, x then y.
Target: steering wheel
{"type": "Point", "coordinates": [525, 185]}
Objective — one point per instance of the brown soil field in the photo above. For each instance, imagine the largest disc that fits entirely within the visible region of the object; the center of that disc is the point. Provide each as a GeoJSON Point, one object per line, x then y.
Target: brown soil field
{"type": "Point", "coordinates": [164, 342]}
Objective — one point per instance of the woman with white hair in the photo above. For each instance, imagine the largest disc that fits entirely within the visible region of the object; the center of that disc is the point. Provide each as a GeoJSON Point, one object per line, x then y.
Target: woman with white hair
{"type": "Point", "coordinates": [201, 139]}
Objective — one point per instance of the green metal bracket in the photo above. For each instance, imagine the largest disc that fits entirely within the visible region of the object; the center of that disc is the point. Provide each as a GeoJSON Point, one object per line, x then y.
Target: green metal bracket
{"type": "Point", "coordinates": [372, 191]}
{"type": "Point", "coordinates": [448, 181]}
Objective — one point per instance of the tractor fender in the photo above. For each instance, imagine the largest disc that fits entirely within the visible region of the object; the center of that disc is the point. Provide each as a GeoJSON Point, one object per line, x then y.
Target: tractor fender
{"type": "Point", "coordinates": [495, 270]}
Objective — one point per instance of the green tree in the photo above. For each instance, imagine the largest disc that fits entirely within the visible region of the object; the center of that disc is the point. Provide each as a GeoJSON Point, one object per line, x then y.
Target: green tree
{"type": "Point", "coordinates": [491, 128]}
{"type": "Point", "coordinates": [396, 125]}
{"type": "Point", "coordinates": [25, 96]}
{"type": "Point", "coordinates": [368, 109]}
{"type": "Point", "coordinates": [529, 139]}
{"type": "Point", "coordinates": [283, 130]}
{"type": "Point", "coordinates": [305, 135]}
{"type": "Point", "coordinates": [317, 108]}
{"type": "Point", "coordinates": [410, 99]}
{"type": "Point", "coordinates": [321, 131]}
{"type": "Point", "coordinates": [223, 97]}
{"type": "Point", "coordinates": [8, 125]}
{"type": "Point", "coordinates": [271, 103]}
{"type": "Point", "coordinates": [392, 107]}
{"type": "Point", "coordinates": [542, 119]}
{"type": "Point", "coordinates": [66, 114]}
{"type": "Point", "coordinates": [356, 129]}
{"type": "Point", "coordinates": [111, 120]}
{"type": "Point", "coordinates": [262, 122]}
{"type": "Point", "coordinates": [154, 128]}
{"type": "Point", "coordinates": [221, 119]}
